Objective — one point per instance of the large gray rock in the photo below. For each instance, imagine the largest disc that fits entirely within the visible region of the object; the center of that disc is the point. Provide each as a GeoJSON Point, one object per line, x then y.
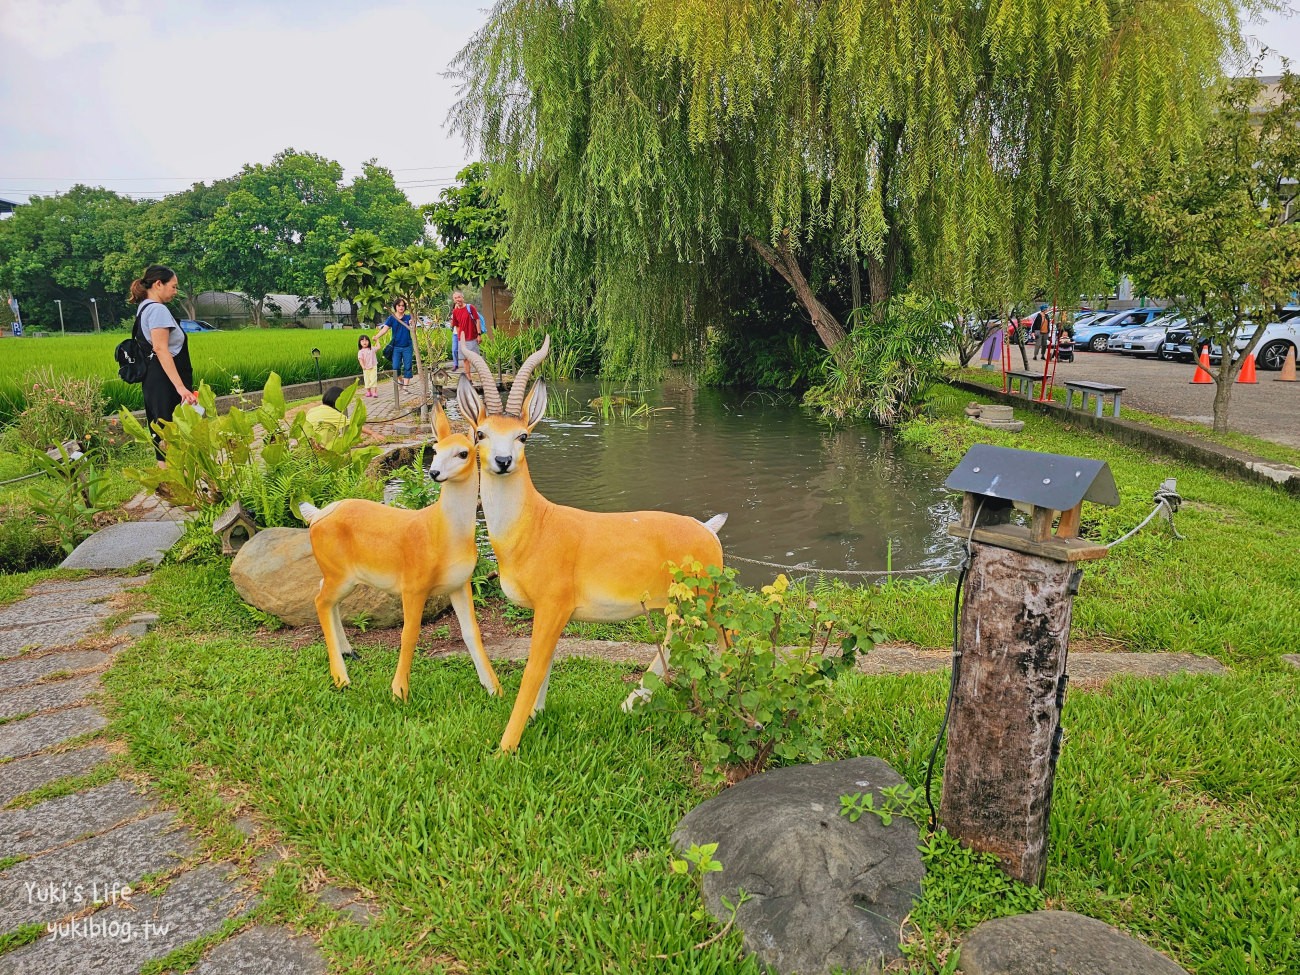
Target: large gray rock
{"type": "Point", "coordinates": [824, 893]}
{"type": "Point", "coordinates": [1058, 943]}
{"type": "Point", "coordinates": [276, 572]}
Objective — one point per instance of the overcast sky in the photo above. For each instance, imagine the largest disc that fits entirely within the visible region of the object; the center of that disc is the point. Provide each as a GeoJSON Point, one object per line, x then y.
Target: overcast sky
{"type": "Point", "coordinates": [114, 93]}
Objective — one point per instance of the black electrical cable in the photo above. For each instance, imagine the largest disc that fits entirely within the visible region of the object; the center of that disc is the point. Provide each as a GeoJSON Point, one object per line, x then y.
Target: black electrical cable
{"type": "Point", "coordinates": [952, 690]}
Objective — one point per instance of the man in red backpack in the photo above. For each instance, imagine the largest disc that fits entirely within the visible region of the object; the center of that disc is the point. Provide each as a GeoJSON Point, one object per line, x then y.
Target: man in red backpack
{"type": "Point", "coordinates": [467, 327]}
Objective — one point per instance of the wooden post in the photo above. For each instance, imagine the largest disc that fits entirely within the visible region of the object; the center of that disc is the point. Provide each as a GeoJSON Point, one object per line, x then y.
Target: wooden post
{"type": "Point", "coordinates": [1004, 735]}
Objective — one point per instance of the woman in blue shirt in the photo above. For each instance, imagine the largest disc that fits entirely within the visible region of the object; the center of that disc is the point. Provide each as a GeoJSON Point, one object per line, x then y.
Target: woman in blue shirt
{"type": "Point", "coordinates": [399, 323]}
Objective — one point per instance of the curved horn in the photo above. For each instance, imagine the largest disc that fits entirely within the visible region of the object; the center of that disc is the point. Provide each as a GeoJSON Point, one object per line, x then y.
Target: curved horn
{"type": "Point", "coordinates": [515, 402]}
{"type": "Point", "coordinates": [491, 395]}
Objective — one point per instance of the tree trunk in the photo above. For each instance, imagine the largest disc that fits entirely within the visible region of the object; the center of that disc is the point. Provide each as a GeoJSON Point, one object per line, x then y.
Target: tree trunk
{"type": "Point", "coordinates": [1004, 734]}
{"type": "Point", "coordinates": [783, 260]}
{"type": "Point", "coordinates": [1223, 389]}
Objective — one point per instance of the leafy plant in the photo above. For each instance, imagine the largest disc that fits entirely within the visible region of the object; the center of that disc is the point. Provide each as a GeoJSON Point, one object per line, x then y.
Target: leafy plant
{"type": "Point", "coordinates": [898, 800]}
{"type": "Point", "coordinates": [214, 458]}
{"type": "Point", "coordinates": [69, 508]}
{"type": "Point", "coordinates": [415, 489]}
{"type": "Point", "coordinates": [749, 695]}
{"type": "Point", "coordinates": [884, 366]}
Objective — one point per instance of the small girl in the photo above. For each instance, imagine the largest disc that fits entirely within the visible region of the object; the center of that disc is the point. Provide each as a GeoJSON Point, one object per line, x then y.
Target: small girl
{"type": "Point", "coordinates": [369, 366]}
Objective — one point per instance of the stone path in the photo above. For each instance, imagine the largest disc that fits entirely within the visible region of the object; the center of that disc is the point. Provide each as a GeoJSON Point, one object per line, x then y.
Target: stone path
{"type": "Point", "coordinates": [1084, 665]}
{"type": "Point", "coordinates": [70, 859]}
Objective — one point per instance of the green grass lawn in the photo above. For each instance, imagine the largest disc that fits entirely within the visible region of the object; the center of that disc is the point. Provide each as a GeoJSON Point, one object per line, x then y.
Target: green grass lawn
{"type": "Point", "coordinates": [1174, 817]}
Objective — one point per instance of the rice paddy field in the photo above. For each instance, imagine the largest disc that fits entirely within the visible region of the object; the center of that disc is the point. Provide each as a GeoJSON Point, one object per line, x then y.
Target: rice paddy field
{"type": "Point", "coordinates": [218, 357]}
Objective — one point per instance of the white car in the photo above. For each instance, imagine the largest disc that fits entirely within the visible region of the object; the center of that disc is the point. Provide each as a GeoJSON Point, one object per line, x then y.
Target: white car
{"type": "Point", "coordinates": [1280, 337]}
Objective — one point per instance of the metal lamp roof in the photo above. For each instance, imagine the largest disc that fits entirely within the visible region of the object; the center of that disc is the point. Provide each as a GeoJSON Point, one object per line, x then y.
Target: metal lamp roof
{"type": "Point", "coordinates": [1053, 481]}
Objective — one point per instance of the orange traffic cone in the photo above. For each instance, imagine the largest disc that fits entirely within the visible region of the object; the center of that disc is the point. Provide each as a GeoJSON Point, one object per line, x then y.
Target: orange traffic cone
{"type": "Point", "coordinates": [1203, 369]}
{"type": "Point", "coordinates": [1288, 368]}
{"type": "Point", "coordinates": [1247, 374]}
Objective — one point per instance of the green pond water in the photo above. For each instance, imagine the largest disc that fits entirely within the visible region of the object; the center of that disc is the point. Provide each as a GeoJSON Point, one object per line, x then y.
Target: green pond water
{"type": "Point", "coordinates": [796, 492]}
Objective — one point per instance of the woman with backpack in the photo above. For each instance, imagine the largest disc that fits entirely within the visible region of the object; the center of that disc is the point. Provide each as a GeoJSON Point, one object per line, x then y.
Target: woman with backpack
{"type": "Point", "coordinates": [168, 380]}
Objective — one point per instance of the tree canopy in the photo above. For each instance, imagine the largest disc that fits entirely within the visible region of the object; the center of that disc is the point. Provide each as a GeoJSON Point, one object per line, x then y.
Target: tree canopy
{"type": "Point", "coordinates": [643, 148]}
{"type": "Point", "coordinates": [272, 228]}
{"type": "Point", "coordinates": [1219, 233]}
{"type": "Point", "coordinates": [470, 223]}
{"type": "Point", "coordinates": [59, 247]}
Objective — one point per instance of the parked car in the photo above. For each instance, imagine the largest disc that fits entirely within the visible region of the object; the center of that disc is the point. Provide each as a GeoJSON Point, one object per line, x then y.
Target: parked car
{"type": "Point", "coordinates": [1280, 337]}
{"type": "Point", "coordinates": [1179, 344]}
{"type": "Point", "coordinates": [1095, 335]}
{"type": "Point", "coordinates": [1149, 339]}
{"type": "Point", "coordinates": [190, 325]}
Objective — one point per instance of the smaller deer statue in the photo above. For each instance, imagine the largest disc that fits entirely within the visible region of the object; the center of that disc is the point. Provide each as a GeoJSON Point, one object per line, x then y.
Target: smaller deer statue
{"type": "Point", "coordinates": [411, 554]}
{"type": "Point", "coordinates": [565, 563]}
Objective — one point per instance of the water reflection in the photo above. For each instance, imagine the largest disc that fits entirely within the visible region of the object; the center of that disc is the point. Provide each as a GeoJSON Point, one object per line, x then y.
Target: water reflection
{"type": "Point", "coordinates": [795, 491]}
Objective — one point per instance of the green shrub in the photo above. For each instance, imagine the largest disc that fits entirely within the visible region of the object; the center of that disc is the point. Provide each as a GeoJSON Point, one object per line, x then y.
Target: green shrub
{"type": "Point", "coordinates": [269, 462]}
{"type": "Point", "coordinates": [25, 543]}
{"type": "Point", "coordinates": [882, 369]}
{"type": "Point", "coordinates": [61, 408]}
{"type": "Point", "coordinates": [750, 695]}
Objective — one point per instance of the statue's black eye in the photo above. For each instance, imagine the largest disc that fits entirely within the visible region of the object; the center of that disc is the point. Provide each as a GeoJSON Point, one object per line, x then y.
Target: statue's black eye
{"type": "Point", "coordinates": [464, 454]}
{"type": "Point", "coordinates": [523, 438]}
{"type": "Point", "coordinates": [479, 435]}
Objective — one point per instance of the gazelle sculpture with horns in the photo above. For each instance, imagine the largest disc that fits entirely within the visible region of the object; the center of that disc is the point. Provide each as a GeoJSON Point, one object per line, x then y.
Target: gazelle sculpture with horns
{"type": "Point", "coordinates": [565, 563]}
{"type": "Point", "coordinates": [411, 554]}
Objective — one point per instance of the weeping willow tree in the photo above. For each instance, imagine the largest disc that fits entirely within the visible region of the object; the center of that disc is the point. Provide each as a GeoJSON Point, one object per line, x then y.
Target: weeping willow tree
{"type": "Point", "coordinates": [648, 150]}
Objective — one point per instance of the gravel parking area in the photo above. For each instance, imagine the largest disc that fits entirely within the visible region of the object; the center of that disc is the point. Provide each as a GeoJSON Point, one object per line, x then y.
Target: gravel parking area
{"type": "Point", "coordinates": [1269, 410]}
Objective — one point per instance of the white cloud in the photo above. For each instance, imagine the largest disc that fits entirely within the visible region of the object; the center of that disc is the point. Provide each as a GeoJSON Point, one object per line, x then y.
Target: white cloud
{"type": "Point", "coordinates": [50, 29]}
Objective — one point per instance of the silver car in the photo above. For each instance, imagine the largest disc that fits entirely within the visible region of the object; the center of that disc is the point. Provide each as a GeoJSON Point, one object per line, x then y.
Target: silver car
{"type": "Point", "coordinates": [1146, 340]}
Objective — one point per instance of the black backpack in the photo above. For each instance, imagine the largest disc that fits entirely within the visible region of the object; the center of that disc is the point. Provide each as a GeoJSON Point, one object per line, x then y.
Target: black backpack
{"type": "Point", "coordinates": [132, 359]}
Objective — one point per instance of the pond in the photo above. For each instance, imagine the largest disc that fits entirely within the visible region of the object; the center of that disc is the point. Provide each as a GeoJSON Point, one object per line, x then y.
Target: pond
{"type": "Point", "coordinates": [796, 492]}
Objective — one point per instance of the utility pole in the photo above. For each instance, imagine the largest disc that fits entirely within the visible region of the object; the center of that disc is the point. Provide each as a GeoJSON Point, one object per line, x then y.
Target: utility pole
{"type": "Point", "coordinates": [62, 331]}
{"type": "Point", "coordinates": [94, 311]}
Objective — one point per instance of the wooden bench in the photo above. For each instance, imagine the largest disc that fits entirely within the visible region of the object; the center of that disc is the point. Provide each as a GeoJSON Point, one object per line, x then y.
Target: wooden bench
{"type": "Point", "coordinates": [1022, 383]}
{"type": "Point", "coordinates": [1098, 391]}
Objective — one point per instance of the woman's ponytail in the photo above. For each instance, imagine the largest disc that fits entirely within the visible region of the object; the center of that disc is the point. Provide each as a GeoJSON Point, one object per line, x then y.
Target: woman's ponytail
{"type": "Point", "coordinates": [138, 291]}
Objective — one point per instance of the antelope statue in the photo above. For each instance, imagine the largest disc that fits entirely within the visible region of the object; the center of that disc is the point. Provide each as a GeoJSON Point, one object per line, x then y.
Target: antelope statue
{"type": "Point", "coordinates": [411, 554]}
{"type": "Point", "coordinates": [565, 563]}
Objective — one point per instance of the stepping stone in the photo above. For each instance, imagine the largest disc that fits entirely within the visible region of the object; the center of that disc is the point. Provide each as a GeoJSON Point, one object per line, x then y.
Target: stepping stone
{"type": "Point", "coordinates": [58, 821]}
{"type": "Point", "coordinates": [53, 633]}
{"type": "Point", "coordinates": [125, 544]}
{"type": "Point", "coordinates": [1292, 658]}
{"type": "Point", "coordinates": [825, 894]}
{"type": "Point", "coordinates": [65, 882]}
{"type": "Point", "coordinates": [42, 697]}
{"type": "Point", "coordinates": [89, 590]}
{"type": "Point", "coordinates": [128, 933]}
{"type": "Point", "coordinates": [45, 730]}
{"type": "Point", "coordinates": [1058, 943]}
{"type": "Point", "coordinates": [264, 949]}
{"type": "Point", "coordinates": [32, 667]}
{"type": "Point", "coordinates": [27, 774]}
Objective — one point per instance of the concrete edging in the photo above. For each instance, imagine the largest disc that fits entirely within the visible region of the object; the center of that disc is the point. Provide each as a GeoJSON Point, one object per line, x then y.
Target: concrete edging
{"type": "Point", "coordinates": [1204, 454]}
